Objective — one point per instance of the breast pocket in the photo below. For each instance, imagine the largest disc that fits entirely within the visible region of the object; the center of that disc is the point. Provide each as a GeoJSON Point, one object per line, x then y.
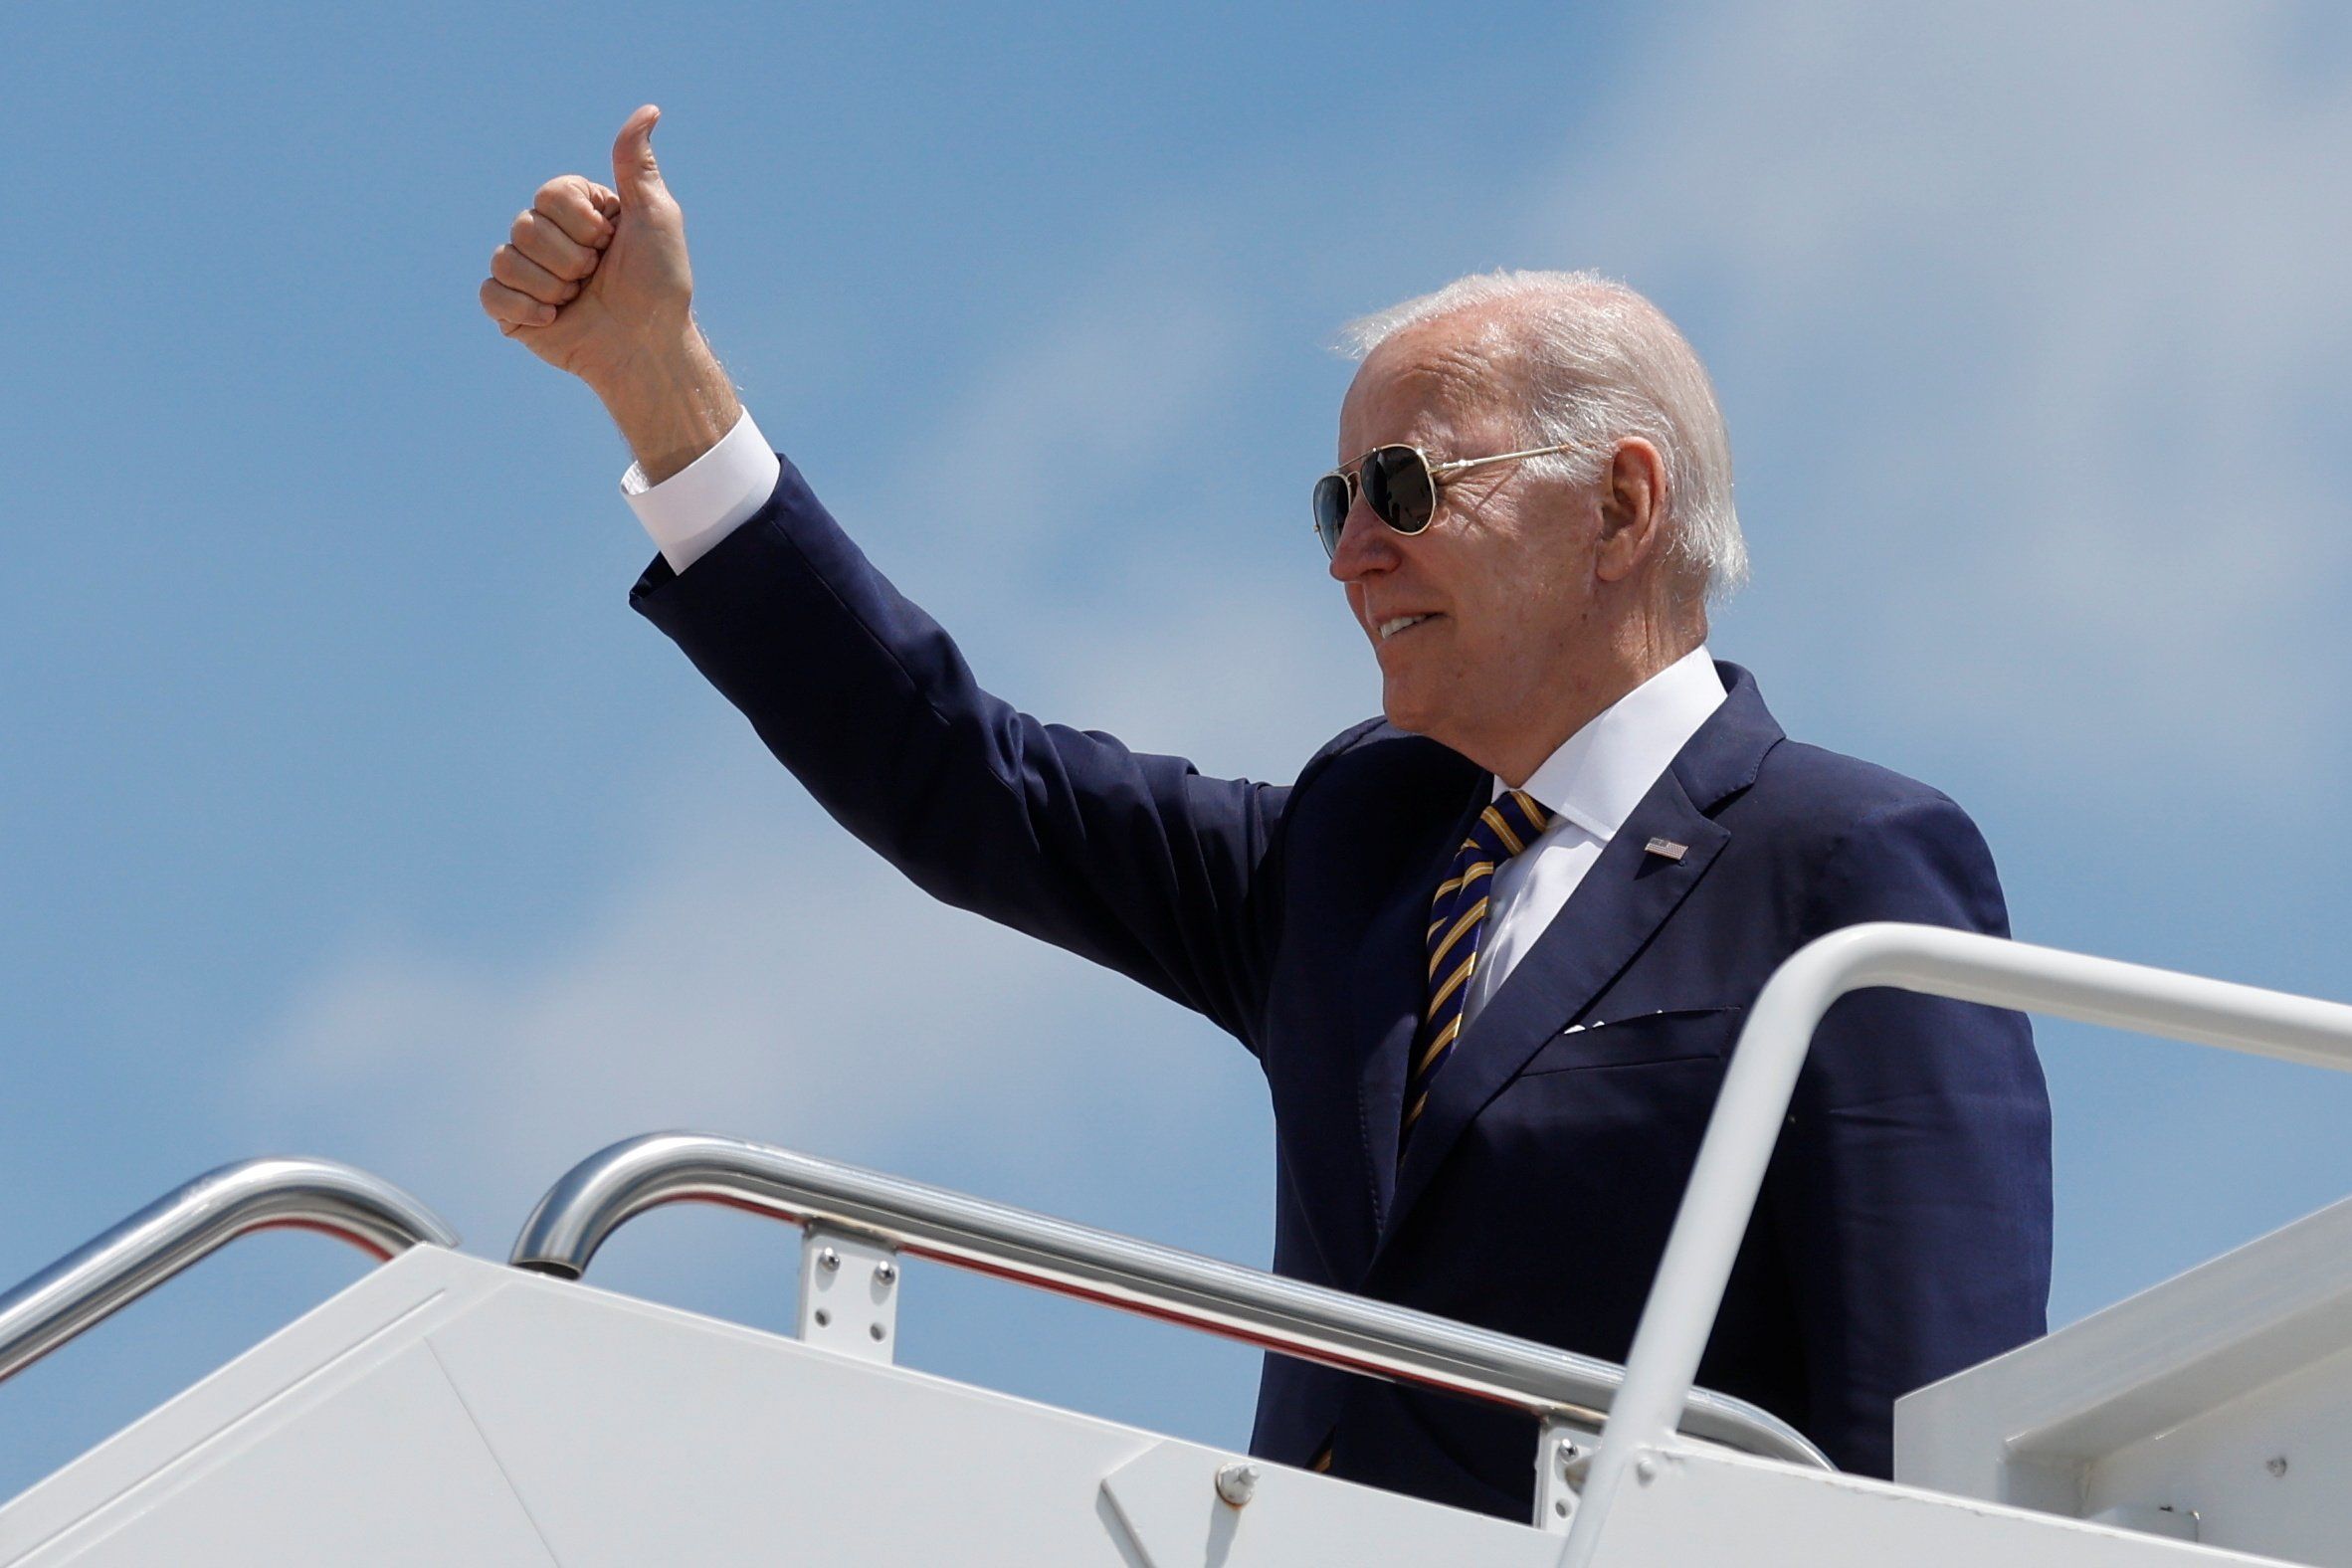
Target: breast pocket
{"type": "Point", "coordinates": [1678, 1034]}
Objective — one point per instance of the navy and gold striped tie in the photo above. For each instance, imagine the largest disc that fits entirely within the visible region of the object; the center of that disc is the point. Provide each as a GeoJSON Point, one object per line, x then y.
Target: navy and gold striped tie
{"type": "Point", "coordinates": [1458, 920]}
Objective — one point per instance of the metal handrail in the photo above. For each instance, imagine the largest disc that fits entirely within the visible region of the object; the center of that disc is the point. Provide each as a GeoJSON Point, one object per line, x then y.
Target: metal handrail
{"type": "Point", "coordinates": [92, 1282]}
{"type": "Point", "coordinates": [1330, 1327]}
{"type": "Point", "coordinates": [1687, 1292]}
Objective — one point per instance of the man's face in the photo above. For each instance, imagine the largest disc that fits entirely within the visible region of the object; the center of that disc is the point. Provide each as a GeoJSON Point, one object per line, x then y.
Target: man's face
{"type": "Point", "coordinates": [1504, 575]}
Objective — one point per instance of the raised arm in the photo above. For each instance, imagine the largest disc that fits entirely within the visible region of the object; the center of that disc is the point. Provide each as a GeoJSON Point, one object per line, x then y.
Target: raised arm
{"type": "Point", "coordinates": [1134, 861]}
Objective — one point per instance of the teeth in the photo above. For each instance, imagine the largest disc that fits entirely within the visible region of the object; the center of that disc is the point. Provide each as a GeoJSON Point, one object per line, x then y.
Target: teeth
{"type": "Point", "coordinates": [1389, 629]}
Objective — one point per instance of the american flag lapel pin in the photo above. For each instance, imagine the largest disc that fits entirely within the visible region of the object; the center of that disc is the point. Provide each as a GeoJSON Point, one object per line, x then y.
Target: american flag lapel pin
{"type": "Point", "coordinates": [1666, 849]}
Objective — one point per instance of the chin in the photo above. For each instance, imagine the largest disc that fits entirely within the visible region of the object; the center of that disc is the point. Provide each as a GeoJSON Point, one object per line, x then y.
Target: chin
{"type": "Point", "coordinates": [1422, 712]}
{"type": "Point", "coordinates": [1405, 709]}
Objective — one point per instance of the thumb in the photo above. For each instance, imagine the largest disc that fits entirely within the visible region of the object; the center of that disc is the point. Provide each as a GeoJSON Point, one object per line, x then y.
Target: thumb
{"type": "Point", "coordinates": [635, 173]}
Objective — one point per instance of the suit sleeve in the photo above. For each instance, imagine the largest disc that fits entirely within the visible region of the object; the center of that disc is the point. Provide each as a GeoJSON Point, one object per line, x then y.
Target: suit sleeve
{"type": "Point", "coordinates": [1134, 861]}
{"type": "Point", "coordinates": [1912, 1188]}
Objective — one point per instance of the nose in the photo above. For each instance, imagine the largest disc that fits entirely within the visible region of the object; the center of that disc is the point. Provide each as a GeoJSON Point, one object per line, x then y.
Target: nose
{"type": "Point", "coordinates": [1367, 546]}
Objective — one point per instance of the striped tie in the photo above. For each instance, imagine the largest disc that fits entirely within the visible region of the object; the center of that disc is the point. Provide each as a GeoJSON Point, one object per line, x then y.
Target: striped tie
{"type": "Point", "coordinates": [1458, 918]}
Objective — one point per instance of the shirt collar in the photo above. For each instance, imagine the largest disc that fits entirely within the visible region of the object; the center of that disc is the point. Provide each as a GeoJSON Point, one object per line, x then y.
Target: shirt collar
{"type": "Point", "coordinates": [1600, 773]}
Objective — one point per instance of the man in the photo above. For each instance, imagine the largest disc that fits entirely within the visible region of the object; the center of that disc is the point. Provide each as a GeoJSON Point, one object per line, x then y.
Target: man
{"type": "Point", "coordinates": [1492, 952]}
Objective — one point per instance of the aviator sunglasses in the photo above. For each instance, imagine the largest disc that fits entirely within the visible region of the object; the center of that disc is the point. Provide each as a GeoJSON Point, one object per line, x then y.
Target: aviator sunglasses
{"type": "Point", "coordinates": [1400, 484]}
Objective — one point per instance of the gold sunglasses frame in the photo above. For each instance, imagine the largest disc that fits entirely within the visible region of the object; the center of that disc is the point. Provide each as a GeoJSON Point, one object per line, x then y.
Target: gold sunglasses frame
{"type": "Point", "coordinates": [1348, 473]}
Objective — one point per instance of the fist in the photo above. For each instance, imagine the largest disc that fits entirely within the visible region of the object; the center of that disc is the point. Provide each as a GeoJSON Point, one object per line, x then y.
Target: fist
{"type": "Point", "coordinates": [594, 279]}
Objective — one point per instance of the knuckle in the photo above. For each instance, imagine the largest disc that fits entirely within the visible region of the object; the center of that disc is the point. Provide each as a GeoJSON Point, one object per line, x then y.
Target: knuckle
{"type": "Point", "coordinates": [516, 271]}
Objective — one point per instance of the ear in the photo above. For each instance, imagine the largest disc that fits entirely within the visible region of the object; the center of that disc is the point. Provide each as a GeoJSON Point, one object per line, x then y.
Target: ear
{"type": "Point", "coordinates": [1632, 508]}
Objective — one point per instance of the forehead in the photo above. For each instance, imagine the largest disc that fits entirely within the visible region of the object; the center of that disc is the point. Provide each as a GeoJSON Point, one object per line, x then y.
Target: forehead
{"type": "Point", "coordinates": [1430, 384]}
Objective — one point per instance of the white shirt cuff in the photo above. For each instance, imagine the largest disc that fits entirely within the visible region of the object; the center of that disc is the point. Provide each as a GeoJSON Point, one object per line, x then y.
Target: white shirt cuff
{"type": "Point", "coordinates": [702, 503]}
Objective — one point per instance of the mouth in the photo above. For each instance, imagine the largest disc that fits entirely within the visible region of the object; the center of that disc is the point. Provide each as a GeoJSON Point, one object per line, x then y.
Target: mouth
{"type": "Point", "coordinates": [1397, 625]}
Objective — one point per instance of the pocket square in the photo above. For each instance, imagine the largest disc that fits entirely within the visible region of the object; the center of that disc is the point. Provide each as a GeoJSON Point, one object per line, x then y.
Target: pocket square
{"type": "Point", "coordinates": [1662, 1012]}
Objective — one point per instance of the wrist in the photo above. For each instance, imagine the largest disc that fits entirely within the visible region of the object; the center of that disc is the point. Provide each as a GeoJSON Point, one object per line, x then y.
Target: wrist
{"type": "Point", "coordinates": [672, 404]}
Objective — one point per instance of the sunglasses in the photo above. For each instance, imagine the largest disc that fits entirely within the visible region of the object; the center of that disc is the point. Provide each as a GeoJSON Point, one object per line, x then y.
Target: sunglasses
{"type": "Point", "coordinates": [1400, 484]}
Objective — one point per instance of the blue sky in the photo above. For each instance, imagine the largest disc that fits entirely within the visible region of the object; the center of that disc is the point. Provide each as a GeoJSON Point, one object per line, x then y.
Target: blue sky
{"type": "Point", "coordinates": [345, 808]}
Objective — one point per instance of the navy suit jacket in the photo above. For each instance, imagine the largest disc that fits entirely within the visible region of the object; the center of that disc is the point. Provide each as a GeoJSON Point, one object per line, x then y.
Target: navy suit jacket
{"type": "Point", "coordinates": [1903, 1231]}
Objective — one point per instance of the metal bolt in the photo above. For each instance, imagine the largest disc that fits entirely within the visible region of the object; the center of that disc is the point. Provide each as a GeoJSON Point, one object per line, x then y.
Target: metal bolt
{"type": "Point", "coordinates": [1645, 1471]}
{"type": "Point", "coordinates": [1237, 1481]}
{"type": "Point", "coordinates": [876, 1331]}
{"type": "Point", "coordinates": [823, 1317]}
{"type": "Point", "coordinates": [1560, 1507]}
{"type": "Point", "coordinates": [885, 1273]}
{"type": "Point", "coordinates": [2278, 1464]}
{"type": "Point", "coordinates": [828, 1259]}
{"type": "Point", "coordinates": [1569, 1455]}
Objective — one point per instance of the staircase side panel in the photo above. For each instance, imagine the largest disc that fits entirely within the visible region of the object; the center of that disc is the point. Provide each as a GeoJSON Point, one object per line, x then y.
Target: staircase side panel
{"type": "Point", "coordinates": [389, 1471]}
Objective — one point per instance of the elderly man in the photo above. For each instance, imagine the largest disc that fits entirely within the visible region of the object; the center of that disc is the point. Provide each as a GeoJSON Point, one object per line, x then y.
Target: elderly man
{"type": "Point", "coordinates": [1491, 949]}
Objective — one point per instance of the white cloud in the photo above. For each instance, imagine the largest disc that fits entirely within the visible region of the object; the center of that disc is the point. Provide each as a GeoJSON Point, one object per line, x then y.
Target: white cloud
{"type": "Point", "coordinates": [1024, 466]}
{"type": "Point", "coordinates": [2030, 308]}
{"type": "Point", "coordinates": [761, 977]}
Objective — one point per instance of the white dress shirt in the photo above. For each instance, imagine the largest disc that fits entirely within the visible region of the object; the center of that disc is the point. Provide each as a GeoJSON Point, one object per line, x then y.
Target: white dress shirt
{"type": "Point", "coordinates": [1590, 785]}
{"type": "Point", "coordinates": [708, 500]}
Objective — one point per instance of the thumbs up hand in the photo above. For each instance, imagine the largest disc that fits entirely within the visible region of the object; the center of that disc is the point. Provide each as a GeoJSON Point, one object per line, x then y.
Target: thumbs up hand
{"type": "Point", "coordinates": [594, 279]}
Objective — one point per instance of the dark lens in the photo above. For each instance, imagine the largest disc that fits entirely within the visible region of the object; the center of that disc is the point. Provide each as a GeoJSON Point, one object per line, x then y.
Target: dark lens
{"type": "Point", "coordinates": [1331, 503]}
{"type": "Point", "coordinates": [1399, 489]}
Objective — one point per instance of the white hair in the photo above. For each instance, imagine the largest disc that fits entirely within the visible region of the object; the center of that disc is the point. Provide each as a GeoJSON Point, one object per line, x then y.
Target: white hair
{"type": "Point", "coordinates": [1602, 363]}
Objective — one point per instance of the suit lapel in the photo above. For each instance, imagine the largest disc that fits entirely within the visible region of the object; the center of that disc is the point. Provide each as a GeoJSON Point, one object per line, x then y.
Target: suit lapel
{"type": "Point", "coordinates": [1621, 903]}
{"type": "Point", "coordinates": [1614, 911]}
